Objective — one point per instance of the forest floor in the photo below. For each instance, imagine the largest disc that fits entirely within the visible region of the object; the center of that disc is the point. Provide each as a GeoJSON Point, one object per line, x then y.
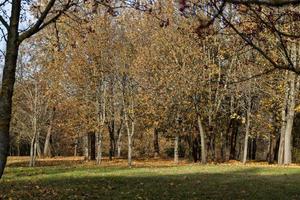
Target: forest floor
{"type": "Point", "coordinates": [72, 178]}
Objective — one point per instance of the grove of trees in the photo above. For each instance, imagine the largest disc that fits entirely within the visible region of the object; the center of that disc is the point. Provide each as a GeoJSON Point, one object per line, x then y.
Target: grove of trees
{"type": "Point", "coordinates": [204, 80]}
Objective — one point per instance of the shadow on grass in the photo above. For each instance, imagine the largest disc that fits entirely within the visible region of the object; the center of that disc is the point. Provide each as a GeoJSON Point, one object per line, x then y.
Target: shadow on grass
{"type": "Point", "coordinates": [124, 183]}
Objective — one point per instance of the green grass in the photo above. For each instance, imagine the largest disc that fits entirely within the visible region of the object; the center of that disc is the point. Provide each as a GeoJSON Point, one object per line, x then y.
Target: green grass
{"type": "Point", "coordinates": [190, 181]}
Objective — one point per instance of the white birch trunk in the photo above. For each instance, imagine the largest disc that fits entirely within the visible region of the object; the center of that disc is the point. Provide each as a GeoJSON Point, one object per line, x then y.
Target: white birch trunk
{"type": "Point", "coordinates": [119, 144]}
{"type": "Point", "coordinates": [202, 137]}
{"type": "Point", "coordinates": [247, 130]}
{"type": "Point", "coordinates": [176, 160]}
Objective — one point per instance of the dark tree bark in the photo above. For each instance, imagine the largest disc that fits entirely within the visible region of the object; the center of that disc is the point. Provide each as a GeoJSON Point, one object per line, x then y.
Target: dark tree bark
{"type": "Point", "coordinates": [211, 143]}
{"type": "Point", "coordinates": [233, 139]}
{"type": "Point", "coordinates": [92, 140]}
{"type": "Point", "coordinates": [253, 150]}
{"type": "Point", "coordinates": [276, 149]}
{"type": "Point", "coordinates": [8, 81]}
{"type": "Point", "coordinates": [228, 140]}
{"type": "Point", "coordinates": [112, 142]}
{"type": "Point", "coordinates": [89, 146]}
{"type": "Point", "coordinates": [196, 148]}
{"type": "Point", "coordinates": [270, 156]}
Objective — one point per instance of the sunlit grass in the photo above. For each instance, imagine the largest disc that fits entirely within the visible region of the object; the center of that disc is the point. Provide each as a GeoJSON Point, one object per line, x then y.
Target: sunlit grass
{"type": "Point", "coordinates": [159, 180]}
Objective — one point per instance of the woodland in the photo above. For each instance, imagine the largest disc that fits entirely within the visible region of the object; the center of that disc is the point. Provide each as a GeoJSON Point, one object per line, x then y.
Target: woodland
{"type": "Point", "coordinates": [127, 94]}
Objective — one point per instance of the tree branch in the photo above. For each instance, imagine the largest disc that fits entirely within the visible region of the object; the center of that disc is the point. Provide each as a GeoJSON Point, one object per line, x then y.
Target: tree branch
{"type": "Point", "coordinates": [275, 31]}
{"type": "Point", "coordinates": [5, 24]}
{"type": "Point", "coordinates": [214, 17]}
{"type": "Point", "coordinates": [40, 20]}
{"type": "Point", "coordinates": [41, 24]}
{"type": "Point", "coordinates": [3, 3]}
{"type": "Point", "coordinates": [257, 48]}
{"type": "Point", "coordinates": [269, 71]}
{"type": "Point", "coordinates": [273, 3]}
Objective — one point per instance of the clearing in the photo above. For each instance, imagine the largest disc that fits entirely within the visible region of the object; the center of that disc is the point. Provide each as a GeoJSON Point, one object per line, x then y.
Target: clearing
{"type": "Point", "coordinates": [72, 178]}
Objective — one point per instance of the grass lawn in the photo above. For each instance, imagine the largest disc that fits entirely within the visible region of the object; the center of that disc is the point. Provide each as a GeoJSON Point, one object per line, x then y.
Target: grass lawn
{"type": "Point", "coordinates": [71, 178]}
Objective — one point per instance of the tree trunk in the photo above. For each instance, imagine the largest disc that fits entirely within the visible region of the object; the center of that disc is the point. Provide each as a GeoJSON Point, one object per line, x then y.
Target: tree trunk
{"type": "Point", "coordinates": [129, 150]}
{"type": "Point", "coordinates": [195, 147]}
{"type": "Point", "coordinates": [76, 147]}
{"type": "Point", "coordinates": [18, 144]}
{"type": "Point", "coordinates": [271, 147]}
{"type": "Point", "coordinates": [111, 142]}
{"type": "Point", "coordinates": [233, 139]}
{"type": "Point", "coordinates": [283, 124]}
{"type": "Point", "coordinates": [247, 131]}
{"type": "Point", "coordinates": [202, 138]}
{"type": "Point", "coordinates": [253, 152]}
{"type": "Point", "coordinates": [99, 147]}
{"type": "Point", "coordinates": [119, 144]}
{"type": "Point", "coordinates": [176, 142]}
{"type": "Point", "coordinates": [32, 149]}
{"type": "Point", "coordinates": [34, 152]}
{"type": "Point", "coordinates": [130, 133]}
{"type": "Point", "coordinates": [130, 136]}
{"type": "Point", "coordinates": [229, 130]}
{"type": "Point", "coordinates": [155, 143]}
{"type": "Point", "coordinates": [86, 147]}
{"type": "Point", "coordinates": [38, 147]}
{"type": "Point", "coordinates": [130, 129]}
{"type": "Point", "coordinates": [101, 117]}
{"type": "Point", "coordinates": [8, 81]}
{"type": "Point", "coordinates": [290, 119]}
{"type": "Point", "coordinates": [92, 145]}
{"type": "Point", "coordinates": [47, 150]}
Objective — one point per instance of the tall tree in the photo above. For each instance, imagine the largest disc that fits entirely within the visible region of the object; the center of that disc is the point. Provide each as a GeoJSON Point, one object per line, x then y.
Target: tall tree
{"type": "Point", "coordinates": [14, 38]}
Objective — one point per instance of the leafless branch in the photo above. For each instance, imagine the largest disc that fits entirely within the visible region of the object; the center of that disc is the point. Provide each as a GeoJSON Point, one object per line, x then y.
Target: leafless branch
{"type": "Point", "coordinates": [269, 71]}
{"type": "Point", "coordinates": [3, 34]}
{"type": "Point", "coordinates": [41, 23]}
{"type": "Point", "coordinates": [257, 48]}
{"type": "Point", "coordinates": [3, 3]}
{"type": "Point", "coordinates": [273, 3]}
{"type": "Point", "coordinates": [277, 33]}
{"type": "Point", "coordinates": [4, 23]}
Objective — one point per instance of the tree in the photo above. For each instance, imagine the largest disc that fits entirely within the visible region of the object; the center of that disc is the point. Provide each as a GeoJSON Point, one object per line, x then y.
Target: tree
{"type": "Point", "coordinates": [14, 39]}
